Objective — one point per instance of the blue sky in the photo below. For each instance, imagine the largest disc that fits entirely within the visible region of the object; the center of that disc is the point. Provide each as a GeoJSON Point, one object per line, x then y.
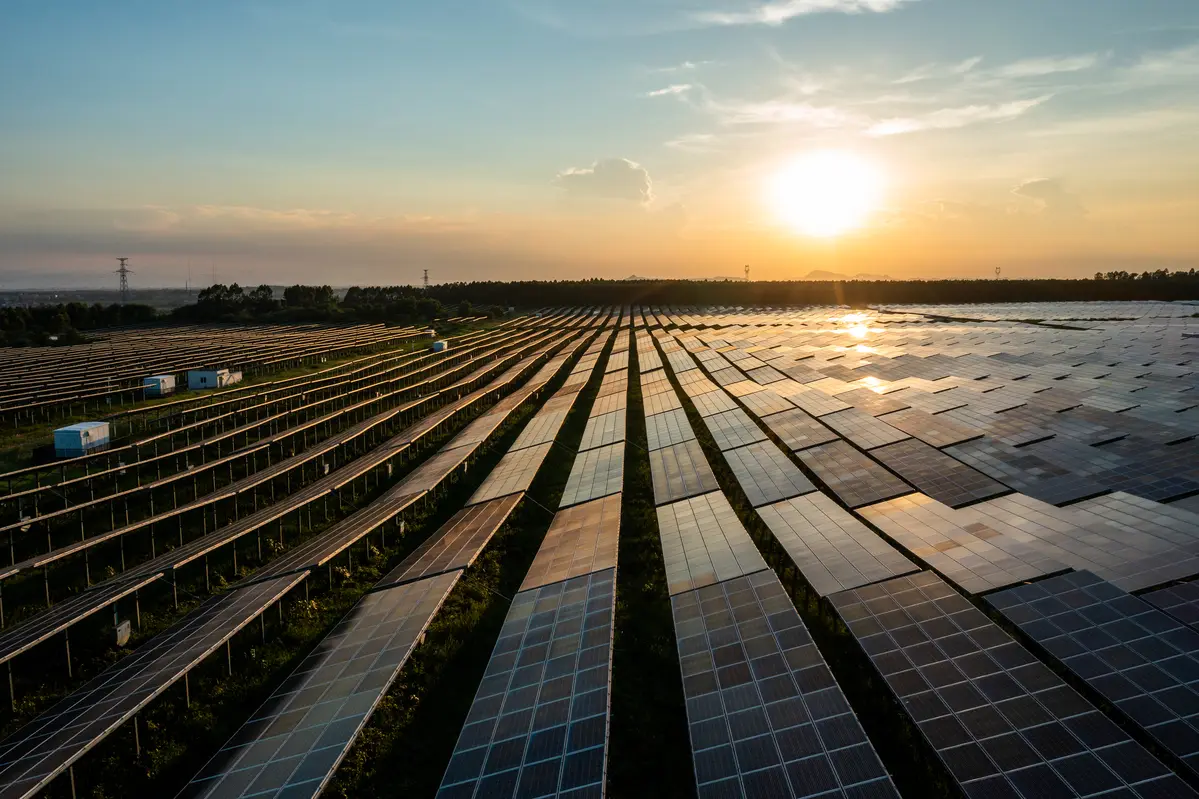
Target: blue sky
{"type": "Point", "coordinates": [542, 138]}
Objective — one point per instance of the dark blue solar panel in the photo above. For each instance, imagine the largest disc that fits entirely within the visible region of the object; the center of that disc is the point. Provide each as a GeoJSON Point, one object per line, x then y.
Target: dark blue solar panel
{"type": "Point", "coordinates": [765, 714]}
{"type": "Point", "coordinates": [539, 723]}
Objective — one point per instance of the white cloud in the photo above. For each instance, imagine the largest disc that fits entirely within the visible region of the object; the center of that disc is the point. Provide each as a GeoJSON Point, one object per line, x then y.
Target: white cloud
{"type": "Point", "coordinates": [674, 89]}
{"type": "Point", "coordinates": [778, 112]}
{"type": "Point", "coordinates": [1051, 196]}
{"type": "Point", "coordinates": [610, 178]}
{"type": "Point", "coordinates": [929, 71]}
{"type": "Point", "coordinates": [1038, 67]}
{"type": "Point", "coordinates": [685, 66]}
{"type": "Point", "coordinates": [777, 13]}
{"type": "Point", "coordinates": [693, 142]}
{"type": "Point", "coordinates": [1168, 66]}
{"type": "Point", "coordinates": [948, 118]}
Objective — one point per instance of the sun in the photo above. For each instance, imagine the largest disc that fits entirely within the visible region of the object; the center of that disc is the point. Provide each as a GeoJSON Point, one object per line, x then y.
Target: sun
{"type": "Point", "coordinates": [827, 192]}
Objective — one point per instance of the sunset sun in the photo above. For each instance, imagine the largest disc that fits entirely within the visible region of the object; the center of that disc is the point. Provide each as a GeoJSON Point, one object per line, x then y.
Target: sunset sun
{"type": "Point", "coordinates": [827, 193]}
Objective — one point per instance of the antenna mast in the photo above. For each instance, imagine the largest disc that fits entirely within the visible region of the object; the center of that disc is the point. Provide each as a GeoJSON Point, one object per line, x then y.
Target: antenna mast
{"type": "Point", "coordinates": [124, 272]}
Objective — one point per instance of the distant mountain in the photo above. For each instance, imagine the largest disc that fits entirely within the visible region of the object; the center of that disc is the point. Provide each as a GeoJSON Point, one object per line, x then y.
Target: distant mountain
{"type": "Point", "coordinates": [820, 274]}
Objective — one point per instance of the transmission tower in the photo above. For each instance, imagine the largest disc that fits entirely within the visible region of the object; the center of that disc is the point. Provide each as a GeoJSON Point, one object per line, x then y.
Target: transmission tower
{"type": "Point", "coordinates": [747, 273]}
{"type": "Point", "coordinates": [426, 280]}
{"type": "Point", "coordinates": [124, 272]}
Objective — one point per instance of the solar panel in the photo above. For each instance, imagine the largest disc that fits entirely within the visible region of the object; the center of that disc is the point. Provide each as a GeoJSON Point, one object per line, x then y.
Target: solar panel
{"type": "Point", "coordinates": [766, 717]}
{"type": "Point", "coordinates": [654, 404]}
{"type": "Point", "coordinates": [514, 472]}
{"type": "Point", "coordinates": [1001, 722]}
{"type": "Point", "coordinates": [608, 428]}
{"type": "Point", "coordinates": [873, 403]}
{"type": "Point", "coordinates": [1137, 657]}
{"type": "Point", "coordinates": [852, 476]}
{"type": "Point", "coordinates": [680, 471]}
{"type": "Point", "coordinates": [610, 403]}
{"type": "Point", "coordinates": [863, 429]}
{"type": "Point", "coordinates": [703, 542]}
{"type": "Point", "coordinates": [733, 429]}
{"type": "Point", "coordinates": [976, 548]}
{"type": "Point", "coordinates": [596, 473]}
{"type": "Point", "coordinates": [713, 402]}
{"type": "Point", "coordinates": [648, 360]}
{"type": "Point", "coordinates": [664, 429]}
{"type": "Point", "coordinates": [766, 402]}
{"type": "Point", "coordinates": [938, 475]}
{"type": "Point", "coordinates": [617, 361]}
{"type": "Point", "coordinates": [581, 539]}
{"type": "Point", "coordinates": [938, 431]}
{"type": "Point", "coordinates": [542, 428]}
{"type": "Point", "coordinates": [766, 474]}
{"type": "Point", "coordinates": [49, 744]}
{"type": "Point", "coordinates": [538, 725]}
{"type": "Point", "coordinates": [1025, 472]}
{"type": "Point", "coordinates": [798, 430]}
{"type": "Point", "coordinates": [1181, 601]}
{"type": "Point", "coordinates": [293, 743]}
{"type": "Point", "coordinates": [457, 543]}
{"type": "Point", "coordinates": [613, 383]}
{"type": "Point", "coordinates": [831, 547]}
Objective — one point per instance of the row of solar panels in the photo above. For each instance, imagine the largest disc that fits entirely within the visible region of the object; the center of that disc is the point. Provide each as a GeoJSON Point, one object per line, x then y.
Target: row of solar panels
{"type": "Point", "coordinates": [1001, 722]}
{"type": "Point", "coordinates": [92, 372]}
{"type": "Point", "coordinates": [433, 388]}
{"type": "Point", "coordinates": [39, 752]}
{"type": "Point", "coordinates": [39, 628]}
{"type": "Point", "coordinates": [268, 421]}
{"type": "Point", "coordinates": [294, 742]}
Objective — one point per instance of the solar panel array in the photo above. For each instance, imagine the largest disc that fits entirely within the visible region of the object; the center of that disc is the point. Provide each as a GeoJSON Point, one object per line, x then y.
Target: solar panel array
{"type": "Point", "coordinates": [1002, 722]}
{"type": "Point", "coordinates": [1137, 657]}
{"type": "Point", "coordinates": [538, 725]}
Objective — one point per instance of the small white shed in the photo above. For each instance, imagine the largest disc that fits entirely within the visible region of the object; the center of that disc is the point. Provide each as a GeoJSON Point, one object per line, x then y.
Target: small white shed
{"type": "Point", "coordinates": [79, 439]}
{"type": "Point", "coordinates": [200, 379]}
{"type": "Point", "coordinates": [159, 385]}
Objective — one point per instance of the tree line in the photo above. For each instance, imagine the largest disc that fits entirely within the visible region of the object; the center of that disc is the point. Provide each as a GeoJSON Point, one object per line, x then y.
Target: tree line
{"type": "Point", "coordinates": [1111, 286]}
{"type": "Point", "coordinates": [65, 323]}
{"type": "Point", "coordinates": [397, 304]}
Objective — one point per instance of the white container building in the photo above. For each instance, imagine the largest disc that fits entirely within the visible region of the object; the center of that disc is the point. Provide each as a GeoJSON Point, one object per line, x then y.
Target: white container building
{"type": "Point", "coordinates": [80, 439]}
{"type": "Point", "coordinates": [159, 385]}
{"type": "Point", "coordinates": [200, 379]}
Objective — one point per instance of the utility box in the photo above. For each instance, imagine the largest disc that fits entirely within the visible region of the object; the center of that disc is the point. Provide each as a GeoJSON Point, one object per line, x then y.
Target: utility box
{"type": "Point", "coordinates": [439, 346]}
{"type": "Point", "coordinates": [80, 439]}
{"type": "Point", "coordinates": [200, 379]}
{"type": "Point", "coordinates": [159, 385]}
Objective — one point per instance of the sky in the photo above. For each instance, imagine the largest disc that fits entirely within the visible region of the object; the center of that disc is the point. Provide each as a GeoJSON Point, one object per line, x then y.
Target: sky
{"type": "Point", "coordinates": [362, 141]}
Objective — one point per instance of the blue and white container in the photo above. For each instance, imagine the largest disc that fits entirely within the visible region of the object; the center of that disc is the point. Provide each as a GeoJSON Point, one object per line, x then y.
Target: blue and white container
{"type": "Point", "coordinates": [80, 439]}
{"type": "Point", "coordinates": [159, 385]}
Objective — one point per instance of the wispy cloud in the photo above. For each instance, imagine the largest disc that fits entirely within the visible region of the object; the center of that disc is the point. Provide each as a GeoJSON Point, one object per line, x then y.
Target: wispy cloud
{"type": "Point", "coordinates": [777, 112]}
{"type": "Point", "coordinates": [777, 13]}
{"type": "Point", "coordinates": [1168, 66]}
{"type": "Point", "coordinates": [949, 118]}
{"type": "Point", "coordinates": [685, 66]}
{"type": "Point", "coordinates": [674, 89]}
{"type": "Point", "coordinates": [929, 71]}
{"type": "Point", "coordinates": [693, 142]}
{"type": "Point", "coordinates": [1039, 67]}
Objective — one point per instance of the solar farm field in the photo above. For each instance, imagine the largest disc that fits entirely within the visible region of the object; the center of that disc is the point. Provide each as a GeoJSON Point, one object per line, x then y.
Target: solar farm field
{"type": "Point", "coordinates": [632, 552]}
